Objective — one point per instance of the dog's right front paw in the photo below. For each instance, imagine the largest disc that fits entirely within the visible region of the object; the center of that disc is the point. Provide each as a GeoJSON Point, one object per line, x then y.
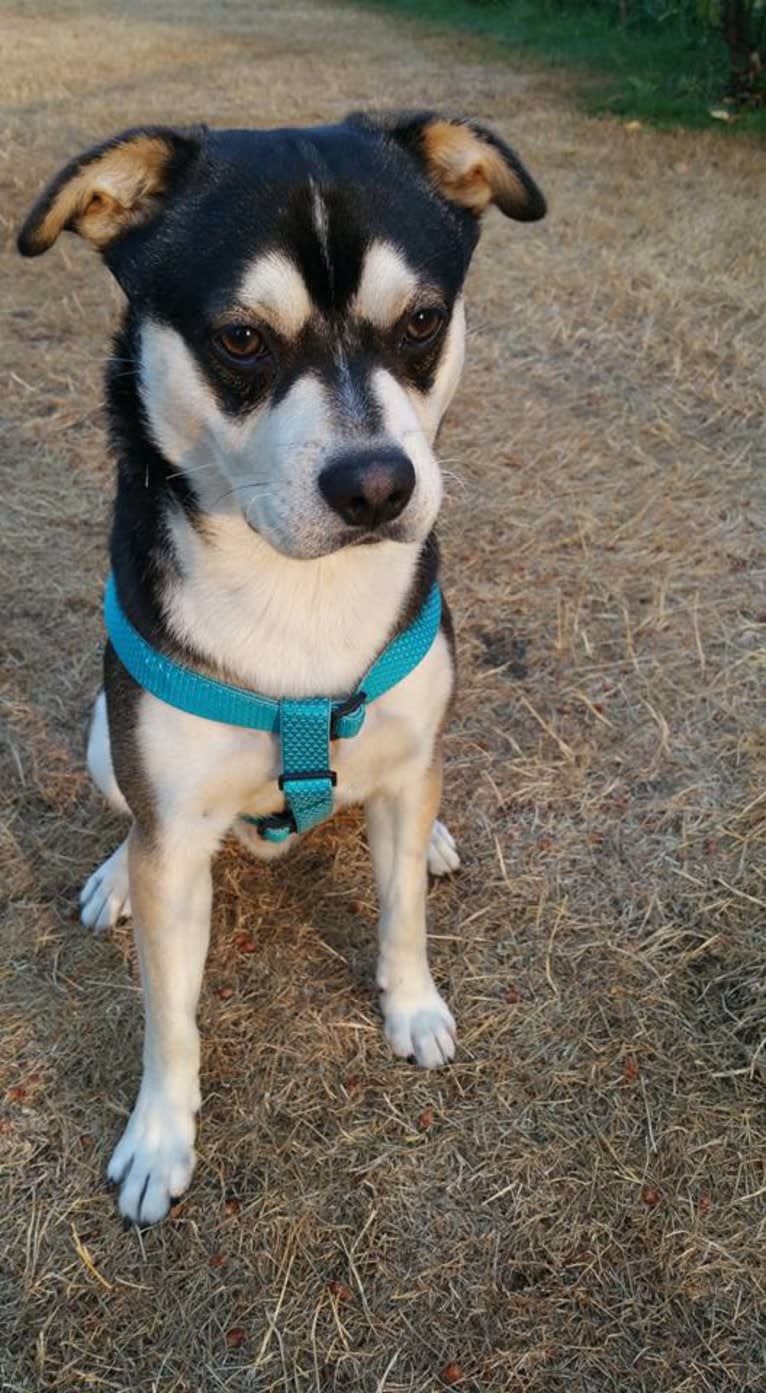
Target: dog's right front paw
{"type": "Point", "coordinates": [153, 1161]}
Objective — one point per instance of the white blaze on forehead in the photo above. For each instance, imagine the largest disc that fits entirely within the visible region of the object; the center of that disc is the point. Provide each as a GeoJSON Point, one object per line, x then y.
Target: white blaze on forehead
{"type": "Point", "coordinates": [386, 287]}
{"type": "Point", "coordinates": [321, 222]}
{"type": "Point", "coordinates": [275, 290]}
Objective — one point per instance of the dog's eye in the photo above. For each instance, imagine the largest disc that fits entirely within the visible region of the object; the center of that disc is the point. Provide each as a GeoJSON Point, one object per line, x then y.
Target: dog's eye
{"type": "Point", "coordinates": [423, 326]}
{"type": "Point", "coordinates": [241, 341]}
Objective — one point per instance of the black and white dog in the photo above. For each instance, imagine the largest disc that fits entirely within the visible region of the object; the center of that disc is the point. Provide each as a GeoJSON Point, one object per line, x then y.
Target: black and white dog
{"type": "Point", "coordinates": [294, 332]}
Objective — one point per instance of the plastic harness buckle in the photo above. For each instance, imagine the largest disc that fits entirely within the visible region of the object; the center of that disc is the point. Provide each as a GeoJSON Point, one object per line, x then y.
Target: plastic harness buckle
{"type": "Point", "coordinates": [347, 716]}
{"type": "Point", "coordinates": [275, 828]}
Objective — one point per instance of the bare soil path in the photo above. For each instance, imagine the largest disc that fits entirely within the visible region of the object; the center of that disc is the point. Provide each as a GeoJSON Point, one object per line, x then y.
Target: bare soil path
{"type": "Point", "coordinates": [579, 1203]}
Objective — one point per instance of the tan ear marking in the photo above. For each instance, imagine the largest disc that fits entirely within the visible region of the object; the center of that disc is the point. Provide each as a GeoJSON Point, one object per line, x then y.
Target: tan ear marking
{"type": "Point", "coordinates": [469, 171]}
{"type": "Point", "coordinates": [105, 196]}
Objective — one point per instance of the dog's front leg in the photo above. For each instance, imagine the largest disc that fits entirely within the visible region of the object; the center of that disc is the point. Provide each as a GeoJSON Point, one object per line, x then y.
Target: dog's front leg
{"type": "Point", "coordinates": [171, 893]}
{"type": "Point", "coordinates": [399, 823]}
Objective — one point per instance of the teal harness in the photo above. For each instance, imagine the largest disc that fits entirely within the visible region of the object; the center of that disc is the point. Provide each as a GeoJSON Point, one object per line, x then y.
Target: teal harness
{"type": "Point", "coordinates": [305, 727]}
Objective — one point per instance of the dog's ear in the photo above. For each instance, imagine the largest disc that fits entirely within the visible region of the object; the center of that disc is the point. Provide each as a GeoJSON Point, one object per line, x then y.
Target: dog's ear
{"type": "Point", "coordinates": [466, 163]}
{"type": "Point", "coordinates": [115, 186]}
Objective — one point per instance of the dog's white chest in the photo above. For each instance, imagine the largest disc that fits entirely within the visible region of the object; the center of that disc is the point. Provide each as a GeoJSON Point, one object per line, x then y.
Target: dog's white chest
{"type": "Point", "coordinates": [217, 771]}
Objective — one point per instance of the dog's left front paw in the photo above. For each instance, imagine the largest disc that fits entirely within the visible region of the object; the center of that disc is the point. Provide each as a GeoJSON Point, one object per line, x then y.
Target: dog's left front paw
{"type": "Point", "coordinates": [419, 1024]}
{"type": "Point", "coordinates": [153, 1161]}
{"type": "Point", "coordinates": [443, 858]}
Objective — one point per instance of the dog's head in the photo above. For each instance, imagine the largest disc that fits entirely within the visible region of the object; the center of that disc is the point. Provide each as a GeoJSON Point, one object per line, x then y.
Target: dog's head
{"type": "Point", "coordinates": [295, 307]}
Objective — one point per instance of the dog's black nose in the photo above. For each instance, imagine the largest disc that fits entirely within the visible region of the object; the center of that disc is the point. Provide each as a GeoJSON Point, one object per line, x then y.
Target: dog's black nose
{"type": "Point", "coordinates": [368, 487]}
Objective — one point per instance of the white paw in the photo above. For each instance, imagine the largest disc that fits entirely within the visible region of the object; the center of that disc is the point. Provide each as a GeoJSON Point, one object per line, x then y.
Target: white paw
{"type": "Point", "coordinates": [154, 1160]}
{"type": "Point", "coordinates": [105, 897]}
{"type": "Point", "coordinates": [442, 852]}
{"type": "Point", "coordinates": [419, 1024]}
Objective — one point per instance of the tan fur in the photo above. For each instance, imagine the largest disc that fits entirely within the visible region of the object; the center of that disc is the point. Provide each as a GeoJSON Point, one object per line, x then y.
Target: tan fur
{"type": "Point", "coordinates": [469, 171]}
{"type": "Point", "coordinates": [108, 194]}
{"type": "Point", "coordinates": [431, 796]}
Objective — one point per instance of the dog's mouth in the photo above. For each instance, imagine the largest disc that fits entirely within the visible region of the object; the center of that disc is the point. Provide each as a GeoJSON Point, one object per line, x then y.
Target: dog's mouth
{"type": "Point", "coordinates": [367, 537]}
{"type": "Point", "coordinates": [394, 531]}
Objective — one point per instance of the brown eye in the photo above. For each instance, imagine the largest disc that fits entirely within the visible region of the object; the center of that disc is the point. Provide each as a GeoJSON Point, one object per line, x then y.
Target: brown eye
{"type": "Point", "coordinates": [240, 341]}
{"type": "Point", "coordinates": [423, 325]}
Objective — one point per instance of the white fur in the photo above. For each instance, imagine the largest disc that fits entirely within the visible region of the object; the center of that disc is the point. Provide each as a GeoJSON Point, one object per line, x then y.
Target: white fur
{"type": "Point", "coordinates": [171, 891]}
{"type": "Point", "coordinates": [105, 896]}
{"type": "Point", "coordinates": [443, 858]}
{"type": "Point", "coordinates": [431, 406]}
{"type": "Point", "coordinates": [386, 287]}
{"type": "Point", "coordinates": [180, 408]}
{"type": "Point", "coordinates": [99, 757]}
{"type": "Point", "coordinates": [207, 770]}
{"type": "Point", "coordinates": [274, 290]}
{"type": "Point", "coordinates": [321, 222]}
{"type": "Point", "coordinates": [404, 423]}
{"type": "Point", "coordinates": [155, 1157]}
{"type": "Point", "coordinates": [418, 1022]}
{"type": "Point", "coordinates": [246, 608]}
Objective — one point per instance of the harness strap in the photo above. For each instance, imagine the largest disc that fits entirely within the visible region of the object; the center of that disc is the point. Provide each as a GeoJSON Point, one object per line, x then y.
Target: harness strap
{"type": "Point", "coordinates": [305, 726]}
{"type": "Point", "coordinates": [307, 780]}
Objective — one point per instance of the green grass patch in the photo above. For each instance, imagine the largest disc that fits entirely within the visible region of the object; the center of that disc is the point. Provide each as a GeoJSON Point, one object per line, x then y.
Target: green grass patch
{"type": "Point", "coordinates": [669, 72]}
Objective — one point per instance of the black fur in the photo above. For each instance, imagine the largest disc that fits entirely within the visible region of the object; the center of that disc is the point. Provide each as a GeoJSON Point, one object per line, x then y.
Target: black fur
{"type": "Point", "coordinates": [123, 696]}
{"type": "Point", "coordinates": [228, 196]}
{"type": "Point", "coordinates": [244, 193]}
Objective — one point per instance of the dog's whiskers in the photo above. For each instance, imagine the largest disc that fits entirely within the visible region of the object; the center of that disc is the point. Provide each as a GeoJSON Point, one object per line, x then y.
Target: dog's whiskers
{"type": "Point", "coordinates": [190, 473]}
{"type": "Point", "coordinates": [266, 493]}
{"type": "Point", "coordinates": [456, 478]}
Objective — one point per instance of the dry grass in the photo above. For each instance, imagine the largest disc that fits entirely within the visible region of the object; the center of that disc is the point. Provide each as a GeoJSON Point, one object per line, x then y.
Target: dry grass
{"type": "Point", "coordinates": [579, 1203]}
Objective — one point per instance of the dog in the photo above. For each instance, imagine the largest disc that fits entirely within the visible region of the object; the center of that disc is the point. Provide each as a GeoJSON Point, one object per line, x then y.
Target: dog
{"type": "Point", "coordinates": [293, 334]}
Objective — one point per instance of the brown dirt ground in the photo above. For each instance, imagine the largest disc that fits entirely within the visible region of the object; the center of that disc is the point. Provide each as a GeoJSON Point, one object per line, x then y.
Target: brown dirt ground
{"type": "Point", "coordinates": [579, 1203]}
